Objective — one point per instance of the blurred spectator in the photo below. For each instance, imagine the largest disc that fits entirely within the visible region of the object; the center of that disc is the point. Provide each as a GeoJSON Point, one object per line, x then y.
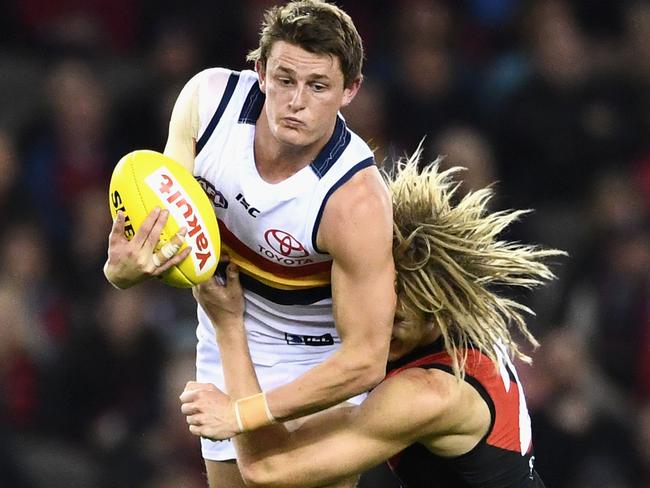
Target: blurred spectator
{"type": "Point", "coordinates": [11, 200]}
{"type": "Point", "coordinates": [111, 371]}
{"type": "Point", "coordinates": [171, 451]}
{"type": "Point", "coordinates": [106, 390]}
{"type": "Point", "coordinates": [19, 384]}
{"type": "Point", "coordinates": [423, 23]}
{"type": "Point", "coordinates": [25, 266]}
{"type": "Point", "coordinates": [466, 147]}
{"type": "Point", "coordinates": [77, 25]}
{"type": "Point", "coordinates": [563, 125]}
{"type": "Point", "coordinates": [367, 116]}
{"type": "Point", "coordinates": [638, 30]}
{"type": "Point", "coordinates": [608, 295]}
{"type": "Point", "coordinates": [582, 437]}
{"type": "Point", "coordinates": [86, 250]}
{"type": "Point", "coordinates": [426, 96]}
{"type": "Point", "coordinates": [643, 441]}
{"type": "Point", "coordinates": [18, 369]}
{"type": "Point", "coordinates": [72, 150]}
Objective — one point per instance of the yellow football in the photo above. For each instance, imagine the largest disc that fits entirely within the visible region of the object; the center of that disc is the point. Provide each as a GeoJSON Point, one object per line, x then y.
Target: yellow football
{"type": "Point", "coordinates": [143, 180]}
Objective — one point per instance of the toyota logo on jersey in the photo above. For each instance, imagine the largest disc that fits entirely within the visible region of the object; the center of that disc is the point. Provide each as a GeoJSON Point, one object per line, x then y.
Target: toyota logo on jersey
{"type": "Point", "coordinates": [284, 243]}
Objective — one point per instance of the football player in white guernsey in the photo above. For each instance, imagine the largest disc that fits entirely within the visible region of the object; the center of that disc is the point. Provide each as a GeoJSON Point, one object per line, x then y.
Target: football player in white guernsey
{"type": "Point", "coordinates": [303, 212]}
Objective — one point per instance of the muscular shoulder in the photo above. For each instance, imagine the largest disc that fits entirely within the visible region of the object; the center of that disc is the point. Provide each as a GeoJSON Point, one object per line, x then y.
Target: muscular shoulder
{"type": "Point", "coordinates": [190, 112]}
{"type": "Point", "coordinates": [414, 404]}
{"type": "Point", "coordinates": [431, 388]}
{"type": "Point", "coordinates": [446, 414]}
{"type": "Point", "coordinates": [361, 205]}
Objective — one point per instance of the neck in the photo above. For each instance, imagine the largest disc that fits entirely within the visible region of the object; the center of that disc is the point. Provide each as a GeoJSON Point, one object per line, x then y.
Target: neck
{"type": "Point", "coordinates": [400, 348]}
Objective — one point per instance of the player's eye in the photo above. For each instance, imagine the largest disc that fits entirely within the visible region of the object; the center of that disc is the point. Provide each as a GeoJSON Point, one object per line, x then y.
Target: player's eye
{"type": "Point", "coordinates": [318, 87]}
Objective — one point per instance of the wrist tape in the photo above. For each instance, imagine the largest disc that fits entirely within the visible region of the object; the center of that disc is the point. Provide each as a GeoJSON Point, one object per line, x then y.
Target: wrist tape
{"type": "Point", "coordinates": [253, 412]}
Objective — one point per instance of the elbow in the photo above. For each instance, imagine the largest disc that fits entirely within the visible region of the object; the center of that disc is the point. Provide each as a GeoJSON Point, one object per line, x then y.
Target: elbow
{"type": "Point", "coordinates": [365, 375]}
{"type": "Point", "coordinates": [260, 474]}
{"type": "Point", "coordinates": [361, 368]}
{"type": "Point", "coordinates": [373, 375]}
{"type": "Point", "coordinates": [252, 475]}
{"type": "Point", "coordinates": [369, 365]}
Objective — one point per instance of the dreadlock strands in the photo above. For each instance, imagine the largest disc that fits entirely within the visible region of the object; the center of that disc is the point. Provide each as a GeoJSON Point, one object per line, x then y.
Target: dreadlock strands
{"type": "Point", "coordinates": [448, 257]}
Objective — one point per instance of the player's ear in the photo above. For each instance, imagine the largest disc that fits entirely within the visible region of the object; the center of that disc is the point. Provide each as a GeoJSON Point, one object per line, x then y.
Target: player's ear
{"type": "Point", "coordinates": [351, 90]}
{"type": "Point", "coordinates": [260, 67]}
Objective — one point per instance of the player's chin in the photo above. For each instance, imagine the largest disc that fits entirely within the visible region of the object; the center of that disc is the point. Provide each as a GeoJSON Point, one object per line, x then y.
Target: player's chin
{"type": "Point", "coordinates": [396, 350]}
{"type": "Point", "coordinates": [294, 136]}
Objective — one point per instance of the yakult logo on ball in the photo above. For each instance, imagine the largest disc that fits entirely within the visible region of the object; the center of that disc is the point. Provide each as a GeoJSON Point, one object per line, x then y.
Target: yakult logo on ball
{"type": "Point", "coordinates": [181, 207]}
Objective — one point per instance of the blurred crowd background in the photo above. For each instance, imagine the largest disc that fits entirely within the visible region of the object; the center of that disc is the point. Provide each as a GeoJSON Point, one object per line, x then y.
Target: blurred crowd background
{"type": "Point", "coordinates": [550, 99]}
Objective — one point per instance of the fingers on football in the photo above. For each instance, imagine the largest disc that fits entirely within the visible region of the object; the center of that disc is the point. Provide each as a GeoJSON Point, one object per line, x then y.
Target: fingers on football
{"type": "Point", "coordinates": [117, 231]}
{"type": "Point", "coordinates": [189, 393]}
{"type": "Point", "coordinates": [152, 235]}
{"type": "Point", "coordinates": [177, 240]}
{"type": "Point", "coordinates": [146, 228]}
{"type": "Point", "coordinates": [190, 409]}
{"type": "Point", "coordinates": [233, 275]}
{"type": "Point", "coordinates": [176, 259]}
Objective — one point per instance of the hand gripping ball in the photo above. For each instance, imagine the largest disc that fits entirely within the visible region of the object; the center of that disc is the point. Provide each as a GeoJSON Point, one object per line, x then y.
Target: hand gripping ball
{"type": "Point", "coordinates": [145, 179]}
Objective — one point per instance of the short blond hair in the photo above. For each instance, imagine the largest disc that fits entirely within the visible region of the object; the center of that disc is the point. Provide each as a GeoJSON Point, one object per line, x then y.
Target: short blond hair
{"type": "Point", "coordinates": [449, 260]}
{"type": "Point", "coordinates": [317, 27]}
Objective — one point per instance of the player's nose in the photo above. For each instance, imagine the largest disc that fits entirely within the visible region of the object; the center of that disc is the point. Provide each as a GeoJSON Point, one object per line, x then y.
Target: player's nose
{"type": "Point", "coordinates": [298, 98]}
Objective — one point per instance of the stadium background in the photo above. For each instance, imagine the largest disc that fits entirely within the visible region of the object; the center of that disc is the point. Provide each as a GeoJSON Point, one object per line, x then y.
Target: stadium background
{"type": "Point", "coordinates": [549, 98]}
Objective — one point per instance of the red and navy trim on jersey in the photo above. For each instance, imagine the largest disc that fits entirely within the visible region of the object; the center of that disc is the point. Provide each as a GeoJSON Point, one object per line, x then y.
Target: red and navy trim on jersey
{"type": "Point", "coordinates": [497, 460]}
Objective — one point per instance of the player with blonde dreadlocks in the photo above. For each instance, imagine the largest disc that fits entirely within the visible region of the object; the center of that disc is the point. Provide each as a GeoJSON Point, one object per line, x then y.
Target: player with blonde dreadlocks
{"type": "Point", "coordinates": [451, 411]}
{"type": "Point", "coordinates": [449, 261]}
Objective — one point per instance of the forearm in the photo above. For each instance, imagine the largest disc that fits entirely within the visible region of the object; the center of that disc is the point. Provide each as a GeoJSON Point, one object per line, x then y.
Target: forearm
{"type": "Point", "coordinates": [343, 375]}
{"type": "Point", "coordinates": [238, 370]}
{"type": "Point", "coordinates": [241, 381]}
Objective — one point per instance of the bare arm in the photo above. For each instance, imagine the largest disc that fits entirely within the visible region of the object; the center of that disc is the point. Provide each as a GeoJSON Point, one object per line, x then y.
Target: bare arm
{"type": "Point", "coordinates": [447, 416]}
{"type": "Point", "coordinates": [184, 125]}
{"type": "Point", "coordinates": [345, 441]}
{"type": "Point", "coordinates": [356, 229]}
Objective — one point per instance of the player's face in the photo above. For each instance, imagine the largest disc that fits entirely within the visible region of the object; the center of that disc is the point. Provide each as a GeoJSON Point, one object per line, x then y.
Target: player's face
{"type": "Point", "coordinates": [408, 332]}
{"type": "Point", "coordinates": [304, 91]}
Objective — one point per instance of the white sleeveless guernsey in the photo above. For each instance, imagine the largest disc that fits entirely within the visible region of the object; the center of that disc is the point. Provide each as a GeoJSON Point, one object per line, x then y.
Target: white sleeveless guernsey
{"type": "Point", "coordinates": [270, 230]}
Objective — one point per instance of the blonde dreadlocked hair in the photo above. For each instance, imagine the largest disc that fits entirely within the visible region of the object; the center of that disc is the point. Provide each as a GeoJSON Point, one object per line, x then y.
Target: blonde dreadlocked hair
{"type": "Point", "coordinates": [448, 260]}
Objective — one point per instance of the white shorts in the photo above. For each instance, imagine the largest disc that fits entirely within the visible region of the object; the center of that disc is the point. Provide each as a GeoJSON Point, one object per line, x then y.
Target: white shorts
{"type": "Point", "coordinates": [271, 374]}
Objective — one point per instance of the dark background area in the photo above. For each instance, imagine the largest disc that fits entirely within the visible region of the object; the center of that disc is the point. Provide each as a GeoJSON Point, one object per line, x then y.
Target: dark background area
{"type": "Point", "coordinates": [549, 99]}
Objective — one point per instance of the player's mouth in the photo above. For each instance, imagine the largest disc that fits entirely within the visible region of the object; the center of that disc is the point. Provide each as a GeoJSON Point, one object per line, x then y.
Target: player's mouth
{"type": "Point", "coordinates": [293, 122]}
